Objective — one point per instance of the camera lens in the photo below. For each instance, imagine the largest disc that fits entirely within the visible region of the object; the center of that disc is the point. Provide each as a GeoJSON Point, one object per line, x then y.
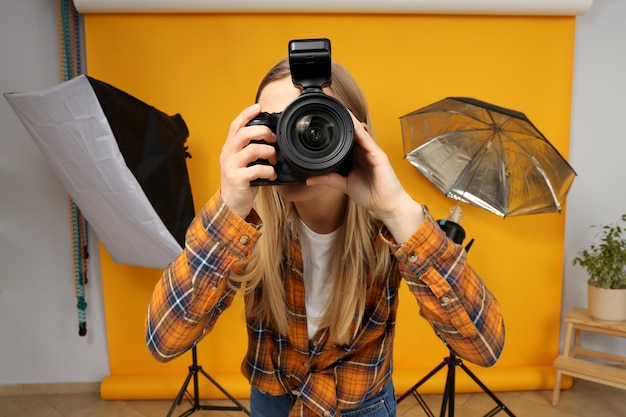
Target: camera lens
{"type": "Point", "coordinates": [316, 134]}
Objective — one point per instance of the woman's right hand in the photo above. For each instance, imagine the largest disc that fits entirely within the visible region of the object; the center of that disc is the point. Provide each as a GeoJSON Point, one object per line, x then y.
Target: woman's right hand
{"type": "Point", "coordinates": [238, 153]}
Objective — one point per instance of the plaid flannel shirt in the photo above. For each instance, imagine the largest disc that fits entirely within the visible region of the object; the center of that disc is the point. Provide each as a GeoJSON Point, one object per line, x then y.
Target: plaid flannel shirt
{"type": "Point", "coordinates": [323, 377]}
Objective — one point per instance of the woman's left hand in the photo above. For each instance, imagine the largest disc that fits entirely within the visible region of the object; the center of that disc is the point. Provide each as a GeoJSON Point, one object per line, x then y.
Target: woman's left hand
{"type": "Point", "coordinates": [373, 184]}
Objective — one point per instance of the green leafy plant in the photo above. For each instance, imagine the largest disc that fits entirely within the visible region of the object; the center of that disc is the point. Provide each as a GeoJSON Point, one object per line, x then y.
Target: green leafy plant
{"type": "Point", "coordinates": [605, 262]}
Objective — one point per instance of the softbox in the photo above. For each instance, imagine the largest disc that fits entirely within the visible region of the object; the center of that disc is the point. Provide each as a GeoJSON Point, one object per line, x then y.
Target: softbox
{"type": "Point", "coordinates": [122, 161]}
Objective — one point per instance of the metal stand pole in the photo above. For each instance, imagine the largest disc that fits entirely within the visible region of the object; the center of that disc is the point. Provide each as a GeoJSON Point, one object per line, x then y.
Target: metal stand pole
{"type": "Point", "coordinates": [447, 404]}
{"type": "Point", "coordinates": [194, 369]}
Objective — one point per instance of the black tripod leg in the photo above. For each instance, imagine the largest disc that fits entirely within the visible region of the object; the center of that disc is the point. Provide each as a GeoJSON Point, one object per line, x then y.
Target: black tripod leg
{"type": "Point", "coordinates": [180, 395]}
{"type": "Point", "coordinates": [421, 381]}
{"type": "Point", "coordinates": [423, 404]}
{"type": "Point", "coordinates": [447, 404]}
{"type": "Point", "coordinates": [196, 389]}
{"type": "Point", "coordinates": [500, 407]}
{"type": "Point", "coordinates": [418, 397]}
{"type": "Point", "coordinates": [194, 369]}
{"type": "Point", "coordinates": [239, 407]}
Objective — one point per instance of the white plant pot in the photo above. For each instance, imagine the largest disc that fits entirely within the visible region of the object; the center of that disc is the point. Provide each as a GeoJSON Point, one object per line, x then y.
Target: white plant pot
{"type": "Point", "coordinates": [606, 304]}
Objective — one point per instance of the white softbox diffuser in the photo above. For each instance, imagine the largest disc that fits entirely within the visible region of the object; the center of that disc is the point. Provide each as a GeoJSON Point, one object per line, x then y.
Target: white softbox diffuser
{"type": "Point", "coordinates": [70, 127]}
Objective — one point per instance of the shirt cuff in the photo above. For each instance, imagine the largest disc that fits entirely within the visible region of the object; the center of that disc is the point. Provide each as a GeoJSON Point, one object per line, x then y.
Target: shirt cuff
{"type": "Point", "coordinates": [230, 230]}
{"type": "Point", "coordinates": [424, 246]}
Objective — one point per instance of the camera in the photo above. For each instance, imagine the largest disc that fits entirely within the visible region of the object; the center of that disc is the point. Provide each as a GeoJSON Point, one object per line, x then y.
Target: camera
{"type": "Point", "coordinates": [315, 133]}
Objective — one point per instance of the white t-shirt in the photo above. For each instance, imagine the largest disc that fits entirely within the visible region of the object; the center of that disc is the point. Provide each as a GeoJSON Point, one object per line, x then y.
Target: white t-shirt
{"type": "Point", "coordinates": [317, 258]}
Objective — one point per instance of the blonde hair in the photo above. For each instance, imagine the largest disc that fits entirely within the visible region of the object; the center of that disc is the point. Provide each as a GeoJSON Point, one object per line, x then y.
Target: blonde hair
{"type": "Point", "coordinates": [361, 257]}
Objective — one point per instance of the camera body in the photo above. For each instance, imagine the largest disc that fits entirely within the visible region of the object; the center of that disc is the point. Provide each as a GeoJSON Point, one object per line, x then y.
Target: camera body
{"type": "Point", "coordinates": [315, 133]}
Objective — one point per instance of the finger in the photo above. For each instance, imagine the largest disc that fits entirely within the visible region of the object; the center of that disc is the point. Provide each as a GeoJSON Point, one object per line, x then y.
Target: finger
{"type": "Point", "coordinates": [253, 161]}
{"type": "Point", "coordinates": [237, 180]}
{"type": "Point", "coordinates": [247, 135]}
{"type": "Point", "coordinates": [257, 151]}
{"type": "Point", "coordinates": [261, 171]}
{"type": "Point", "coordinates": [362, 136]}
{"type": "Point", "coordinates": [244, 118]}
{"type": "Point", "coordinates": [240, 134]}
{"type": "Point", "coordinates": [241, 177]}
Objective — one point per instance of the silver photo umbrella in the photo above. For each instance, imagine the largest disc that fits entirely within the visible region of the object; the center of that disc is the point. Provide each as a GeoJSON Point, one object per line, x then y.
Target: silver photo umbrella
{"type": "Point", "coordinates": [487, 156]}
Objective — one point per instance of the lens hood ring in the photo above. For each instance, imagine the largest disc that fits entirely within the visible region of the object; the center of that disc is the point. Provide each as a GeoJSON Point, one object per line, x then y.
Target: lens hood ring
{"type": "Point", "coordinates": [315, 133]}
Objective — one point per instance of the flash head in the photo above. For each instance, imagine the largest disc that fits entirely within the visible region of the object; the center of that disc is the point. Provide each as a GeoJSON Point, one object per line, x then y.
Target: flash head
{"type": "Point", "coordinates": [310, 64]}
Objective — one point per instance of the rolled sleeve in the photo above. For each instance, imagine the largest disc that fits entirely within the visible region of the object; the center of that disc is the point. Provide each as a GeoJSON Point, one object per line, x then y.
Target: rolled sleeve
{"type": "Point", "coordinates": [451, 296]}
{"type": "Point", "coordinates": [193, 291]}
{"type": "Point", "coordinates": [215, 240]}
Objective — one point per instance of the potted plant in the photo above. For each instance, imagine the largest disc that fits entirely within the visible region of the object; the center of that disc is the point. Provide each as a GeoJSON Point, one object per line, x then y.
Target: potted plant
{"type": "Point", "coordinates": [605, 263]}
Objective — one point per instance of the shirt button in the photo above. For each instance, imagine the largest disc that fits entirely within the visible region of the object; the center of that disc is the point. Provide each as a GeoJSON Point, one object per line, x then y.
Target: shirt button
{"type": "Point", "coordinates": [213, 287]}
{"type": "Point", "coordinates": [244, 240]}
{"type": "Point", "coordinates": [413, 257]}
{"type": "Point", "coordinates": [444, 300]}
{"type": "Point", "coordinates": [305, 364]}
{"type": "Point", "coordinates": [327, 413]}
{"type": "Point", "coordinates": [296, 393]}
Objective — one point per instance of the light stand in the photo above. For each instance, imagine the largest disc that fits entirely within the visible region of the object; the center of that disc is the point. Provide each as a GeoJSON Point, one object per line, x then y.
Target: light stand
{"type": "Point", "coordinates": [456, 233]}
{"type": "Point", "coordinates": [194, 369]}
{"type": "Point", "coordinates": [447, 403]}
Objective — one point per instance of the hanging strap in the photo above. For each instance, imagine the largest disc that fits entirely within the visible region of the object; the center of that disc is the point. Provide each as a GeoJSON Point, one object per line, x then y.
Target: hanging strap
{"type": "Point", "coordinates": [70, 65]}
{"type": "Point", "coordinates": [80, 241]}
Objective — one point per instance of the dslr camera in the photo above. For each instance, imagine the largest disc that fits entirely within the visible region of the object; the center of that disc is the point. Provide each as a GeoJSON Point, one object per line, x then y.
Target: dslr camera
{"type": "Point", "coordinates": [315, 133]}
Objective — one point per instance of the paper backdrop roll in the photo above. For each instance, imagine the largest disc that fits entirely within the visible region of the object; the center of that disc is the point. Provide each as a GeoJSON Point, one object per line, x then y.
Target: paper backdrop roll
{"type": "Point", "coordinates": [120, 159]}
{"type": "Point", "coordinates": [485, 7]}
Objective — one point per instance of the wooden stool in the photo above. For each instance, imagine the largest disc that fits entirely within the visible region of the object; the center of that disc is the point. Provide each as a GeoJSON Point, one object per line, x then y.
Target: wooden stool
{"type": "Point", "coordinates": [572, 361]}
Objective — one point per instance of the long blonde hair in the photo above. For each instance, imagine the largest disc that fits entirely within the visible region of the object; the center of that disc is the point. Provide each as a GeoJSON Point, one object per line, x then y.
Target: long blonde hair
{"type": "Point", "coordinates": [361, 256]}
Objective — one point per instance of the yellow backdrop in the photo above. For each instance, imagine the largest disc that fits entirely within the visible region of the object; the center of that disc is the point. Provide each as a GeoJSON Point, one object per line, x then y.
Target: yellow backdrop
{"type": "Point", "coordinates": [207, 66]}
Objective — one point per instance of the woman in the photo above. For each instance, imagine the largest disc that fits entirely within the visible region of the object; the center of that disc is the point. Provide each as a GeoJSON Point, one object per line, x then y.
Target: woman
{"type": "Point", "coordinates": [319, 266]}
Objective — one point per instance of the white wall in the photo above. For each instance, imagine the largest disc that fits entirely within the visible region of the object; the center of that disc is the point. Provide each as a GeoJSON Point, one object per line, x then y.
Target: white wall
{"type": "Point", "coordinates": [598, 144]}
{"type": "Point", "coordinates": [39, 339]}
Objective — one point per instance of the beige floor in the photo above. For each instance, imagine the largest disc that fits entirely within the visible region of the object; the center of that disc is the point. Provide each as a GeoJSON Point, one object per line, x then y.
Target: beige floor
{"type": "Point", "coordinates": [585, 399]}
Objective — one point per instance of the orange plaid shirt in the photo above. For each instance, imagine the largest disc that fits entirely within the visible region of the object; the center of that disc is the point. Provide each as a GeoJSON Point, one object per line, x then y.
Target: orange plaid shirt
{"type": "Point", "coordinates": [324, 377]}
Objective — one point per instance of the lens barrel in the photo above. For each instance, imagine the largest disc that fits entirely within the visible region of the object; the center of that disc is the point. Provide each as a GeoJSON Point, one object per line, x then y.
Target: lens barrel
{"type": "Point", "coordinates": [316, 134]}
